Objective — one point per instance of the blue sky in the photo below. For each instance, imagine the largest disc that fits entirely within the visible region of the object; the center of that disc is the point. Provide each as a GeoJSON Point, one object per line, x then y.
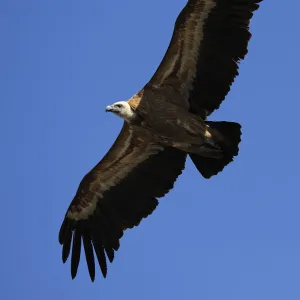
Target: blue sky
{"type": "Point", "coordinates": [233, 237]}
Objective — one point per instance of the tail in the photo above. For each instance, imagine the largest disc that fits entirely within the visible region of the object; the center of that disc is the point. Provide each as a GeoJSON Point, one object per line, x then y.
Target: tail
{"type": "Point", "coordinates": [227, 135]}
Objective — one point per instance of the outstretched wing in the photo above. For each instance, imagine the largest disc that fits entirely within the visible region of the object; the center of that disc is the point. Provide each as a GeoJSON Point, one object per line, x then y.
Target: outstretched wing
{"type": "Point", "coordinates": [210, 37]}
{"type": "Point", "coordinates": [115, 195]}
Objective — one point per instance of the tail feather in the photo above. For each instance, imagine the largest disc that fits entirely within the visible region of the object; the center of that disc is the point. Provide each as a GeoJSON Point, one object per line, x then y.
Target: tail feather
{"type": "Point", "coordinates": [227, 135]}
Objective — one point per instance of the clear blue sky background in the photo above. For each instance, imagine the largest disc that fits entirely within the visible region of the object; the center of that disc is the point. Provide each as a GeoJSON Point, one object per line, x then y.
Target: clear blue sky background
{"type": "Point", "coordinates": [236, 236]}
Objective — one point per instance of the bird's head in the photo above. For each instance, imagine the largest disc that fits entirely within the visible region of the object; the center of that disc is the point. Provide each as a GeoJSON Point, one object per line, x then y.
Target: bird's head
{"type": "Point", "coordinates": [121, 109]}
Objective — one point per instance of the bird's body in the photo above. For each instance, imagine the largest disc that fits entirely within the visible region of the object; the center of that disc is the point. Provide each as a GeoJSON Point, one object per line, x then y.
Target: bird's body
{"type": "Point", "coordinates": [164, 122]}
{"type": "Point", "coordinates": [167, 122]}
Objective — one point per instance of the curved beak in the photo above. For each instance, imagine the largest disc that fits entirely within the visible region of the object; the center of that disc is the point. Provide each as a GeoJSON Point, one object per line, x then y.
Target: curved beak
{"type": "Point", "coordinates": [108, 108]}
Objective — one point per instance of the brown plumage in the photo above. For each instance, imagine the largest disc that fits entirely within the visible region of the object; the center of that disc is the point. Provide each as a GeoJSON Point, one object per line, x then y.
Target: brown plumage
{"type": "Point", "coordinates": [164, 122]}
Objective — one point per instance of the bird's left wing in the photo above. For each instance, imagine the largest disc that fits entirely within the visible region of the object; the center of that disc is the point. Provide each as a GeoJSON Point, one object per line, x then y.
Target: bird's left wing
{"type": "Point", "coordinates": [115, 195]}
{"type": "Point", "coordinates": [210, 37]}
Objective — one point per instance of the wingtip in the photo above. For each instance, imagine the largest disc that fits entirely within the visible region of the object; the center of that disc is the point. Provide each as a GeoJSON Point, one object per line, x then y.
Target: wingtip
{"type": "Point", "coordinates": [110, 254]}
{"type": "Point", "coordinates": [73, 271]}
{"type": "Point", "coordinates": [64, 259]}
{"type": "Point", "coordinates": [62, 233]}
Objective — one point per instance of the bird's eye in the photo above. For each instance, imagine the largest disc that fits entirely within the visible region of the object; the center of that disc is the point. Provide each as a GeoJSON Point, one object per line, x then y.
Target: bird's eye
{"type": "Point", "coordinates": [119, 105]}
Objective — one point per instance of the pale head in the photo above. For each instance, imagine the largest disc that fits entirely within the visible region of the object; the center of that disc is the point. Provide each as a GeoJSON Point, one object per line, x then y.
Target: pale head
{"type": "Point", "coordinates": [121, 109]}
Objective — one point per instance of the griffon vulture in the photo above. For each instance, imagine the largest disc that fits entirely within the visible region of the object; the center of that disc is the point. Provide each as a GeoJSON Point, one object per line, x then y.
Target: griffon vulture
{"type": "Point", "coordinates": [163, 123]}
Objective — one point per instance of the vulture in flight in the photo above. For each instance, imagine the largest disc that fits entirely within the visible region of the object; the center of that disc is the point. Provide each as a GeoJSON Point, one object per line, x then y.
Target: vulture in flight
{"type": "Point", "coordinates": [163, 124]}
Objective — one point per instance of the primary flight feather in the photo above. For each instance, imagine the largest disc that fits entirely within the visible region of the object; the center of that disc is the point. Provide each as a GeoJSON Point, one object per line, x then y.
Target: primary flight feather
{"type": "Point", "coordinates": [163, 123]}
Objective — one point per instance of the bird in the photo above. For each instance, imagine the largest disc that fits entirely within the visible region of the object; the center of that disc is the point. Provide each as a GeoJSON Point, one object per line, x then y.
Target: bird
{"type": "Point", "coordinates": [163, 123]}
